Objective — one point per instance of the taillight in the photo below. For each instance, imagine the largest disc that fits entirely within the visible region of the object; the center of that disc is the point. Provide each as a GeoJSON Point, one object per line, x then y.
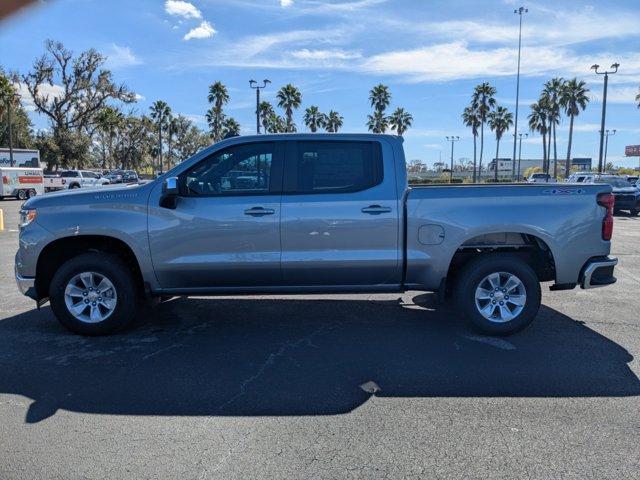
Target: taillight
{"type": "Point", "coordinates": [64, 181]}
{"type": "Point", "coordinates": [607, 200]}
{"type": "Point", "coordinates": [5, 180]}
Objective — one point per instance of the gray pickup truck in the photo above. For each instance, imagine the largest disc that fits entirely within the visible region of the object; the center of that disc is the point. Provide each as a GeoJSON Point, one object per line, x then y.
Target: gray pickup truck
{"type": "Point", "coordinates": [310, 213]}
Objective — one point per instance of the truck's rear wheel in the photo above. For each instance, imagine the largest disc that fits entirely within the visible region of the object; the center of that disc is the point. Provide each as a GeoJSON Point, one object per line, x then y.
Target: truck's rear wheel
{"type": "Point", "coordinates": [498, 293]}
{"type": "Point", "coordinates": [94, 294]}
{"type": "Point", "coordinates": [22, 195]}
{"type": "Point", "coordinates": [32, 192]}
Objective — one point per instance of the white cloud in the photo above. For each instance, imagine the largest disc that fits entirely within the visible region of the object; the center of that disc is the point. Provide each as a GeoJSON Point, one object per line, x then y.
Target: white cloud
{"type": "Point", "coordinates": [181, 9]}
{"type": "Point", "coordinates": [121, 56]}
{"type": "Point", "coordinates": [204, 30]}
{"type": "Point", "coordinates": [337, 54]}
{"type": "Point", "coordinates": [140, 98]}
{"type": "Point", "coordinates": [617, 94]}
{"type": "Point", "coordinates": [286, 3]}
{"type": "Point", "coordinates": [46, 92]}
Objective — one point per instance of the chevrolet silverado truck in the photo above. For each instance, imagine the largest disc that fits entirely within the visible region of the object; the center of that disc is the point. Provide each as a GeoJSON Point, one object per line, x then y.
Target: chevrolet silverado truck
{"type": "Point", "coordinates": [310, 213]}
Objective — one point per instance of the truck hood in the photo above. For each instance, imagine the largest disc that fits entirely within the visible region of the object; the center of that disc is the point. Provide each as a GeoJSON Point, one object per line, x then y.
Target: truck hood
{"type": "Point", "coordinates": [86, 196]}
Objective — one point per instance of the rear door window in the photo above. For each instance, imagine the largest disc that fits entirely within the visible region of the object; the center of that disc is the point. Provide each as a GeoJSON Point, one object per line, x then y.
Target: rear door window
{"type": "Point", "coordinates": [334, 167]}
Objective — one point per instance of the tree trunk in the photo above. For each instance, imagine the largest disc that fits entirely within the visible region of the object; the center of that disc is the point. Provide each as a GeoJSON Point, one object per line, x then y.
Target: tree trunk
{"type": "Point", "coordinates": [474, 158]}
{"type": "Point", "coordinates": [159, 147]}
{"type": "Point", "coordinates": [549, 149]}
{"type": "Point", "coordinates": [495, 165]}
{"type": "Point", "coordinates": [481, 151]}
{"type": "Point", "coordinates": [567, 167]}
{"type": "Point", "coordinates": [544, 152]}
{"type": "Point", "coordinates": [555, 153]}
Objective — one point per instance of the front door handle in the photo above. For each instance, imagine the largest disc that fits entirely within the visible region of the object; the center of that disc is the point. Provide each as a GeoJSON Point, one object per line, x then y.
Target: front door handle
{"type": "Point", "coordinates": [375, 210]}
{"type": "Point", "coordinates": [259, 211]}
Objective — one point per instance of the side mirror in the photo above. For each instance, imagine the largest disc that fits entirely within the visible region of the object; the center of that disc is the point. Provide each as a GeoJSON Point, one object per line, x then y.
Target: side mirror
{"type": "Point", "coordinates": [170, 192]}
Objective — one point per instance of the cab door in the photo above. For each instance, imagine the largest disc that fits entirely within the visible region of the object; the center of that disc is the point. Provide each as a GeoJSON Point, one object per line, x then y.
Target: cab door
{"type": "Point", "coordinates": [225, 228]}
{"type": "Point", "coordinates": [340, 215]}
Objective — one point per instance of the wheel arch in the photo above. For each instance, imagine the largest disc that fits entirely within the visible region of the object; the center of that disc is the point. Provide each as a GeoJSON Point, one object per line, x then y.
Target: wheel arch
{"type": "Point", "coordinates": [532, 248]}
{"type": "Point", "coordinates": [57, 252]}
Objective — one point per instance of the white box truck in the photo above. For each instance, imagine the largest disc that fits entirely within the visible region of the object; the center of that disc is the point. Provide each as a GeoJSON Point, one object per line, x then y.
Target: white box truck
{"type": "Point", "coordinates": [21, 183]}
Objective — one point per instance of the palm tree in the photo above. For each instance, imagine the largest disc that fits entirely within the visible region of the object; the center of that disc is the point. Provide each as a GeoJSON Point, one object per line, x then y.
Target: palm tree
{"type": "Point", "coordinates": [172, 128]}
{"type": "Point", "coordinates": [483, 101]}
{"type": "Point", "coordinates": [378, 122]}
{"type": "Point", "coordinates": [314, 118]}
{"type": "Point", "coordinates": [638, 97]}
{"type": "Point", "coordinates": [400, 120]}
{"type": "Point", "coordinates": [230, 127]}
{"type": "Point", "coordinates": [333, 122]}
{"type": "Point", "coordinates": [266, 111]}
{"type": "Point", "coordinates": [108, 121]}
{"type": "Point", "coordinates": [553, 92]}
{"type": "Point", "coordinates": [471, 118]}
{"type": "Point", "coordinates": [538, 123]}
{"type": "Point", "coordinates": [380, 97]}
{"type": "Point", "coordinates": [218, 96]}
{"type": "Point", "coordinates": [573, 99]}
{"type": "Point", "coordinates": [289, 98]}
{"type": "Point", "coordinates": [500, 120]}
{"type": "Point", "coordinates": [160, 113]}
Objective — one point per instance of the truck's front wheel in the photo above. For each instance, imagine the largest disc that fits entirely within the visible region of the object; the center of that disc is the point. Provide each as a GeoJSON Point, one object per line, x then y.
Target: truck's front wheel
{"type": "Point", "coordinates": [499, 293]}
{"type": "Point", "coordinates": [94, 294]}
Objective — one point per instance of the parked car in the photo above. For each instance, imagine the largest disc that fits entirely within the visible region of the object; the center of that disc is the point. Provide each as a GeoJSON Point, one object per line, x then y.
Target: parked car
{"type": "Point", "coordinates": [129, 176]}
{"type": "Point", "coordinates": [115, 176]}
{"type": "Point", "coordinates": [627, 197]}
{"type": "Point", "coordinates": [579, 177]}
{"type": "Point", "coordinates": [72, 179]}
{"type": "Point", "coordinates": [313, 213]}
{"type": "Point", "coordinates": [21, 183]}
{"type": "Point", "coordinates": [540, 178]}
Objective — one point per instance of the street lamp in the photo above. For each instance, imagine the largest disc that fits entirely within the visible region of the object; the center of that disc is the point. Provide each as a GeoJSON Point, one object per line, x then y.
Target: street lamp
{"type": "Point", "coordinates": [9, 99]}
{"type": "Point", "coordinates": [606, 73]}
{"type": "Point", "coordinates": [520, 11]}
{"type": "Point", "coordinates": [253, 84]}
{"type": "Point", "coordinates": [519, 137]}
{"type": "Point", "coordinates": [452, 139]}
{"type": "Point", "coordinates": [607, 134]}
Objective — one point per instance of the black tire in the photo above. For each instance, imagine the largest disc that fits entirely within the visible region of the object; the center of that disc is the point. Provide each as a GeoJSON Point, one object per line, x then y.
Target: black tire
{"type": "Point", "coordinates": [478, 269]}
{"type": "Point", "coordinates": [117, 272]}
{"type": "Point", "coordinates": [73, 186]}
{"type": "Point", "coordinates": [21, 195]}
{"type": "Point", "coordinates": [32, 192]}
{"type": "Point", "coordinates": [634, 212]}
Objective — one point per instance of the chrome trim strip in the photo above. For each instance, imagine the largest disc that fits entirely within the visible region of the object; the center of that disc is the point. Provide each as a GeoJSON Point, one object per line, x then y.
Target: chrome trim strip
{"type": "Point", "coordinates": [592, 267]}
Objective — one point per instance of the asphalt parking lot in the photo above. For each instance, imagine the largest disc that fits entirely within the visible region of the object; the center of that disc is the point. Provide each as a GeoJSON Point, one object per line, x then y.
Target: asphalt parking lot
{"type": "Point", "coordinates": [344, 386]}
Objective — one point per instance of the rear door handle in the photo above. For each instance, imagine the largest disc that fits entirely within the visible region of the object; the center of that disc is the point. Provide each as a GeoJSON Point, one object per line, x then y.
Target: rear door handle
{"type": "Point", "coordinates": [375, 210]}
{"type": "Point", "coordinates": [259, 211]}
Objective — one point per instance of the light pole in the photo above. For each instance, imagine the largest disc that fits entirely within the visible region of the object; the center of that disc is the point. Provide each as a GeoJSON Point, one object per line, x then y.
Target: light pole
{"type": "Point", "coordinates": [520, 137]}
{"type": "Point", "coordinates": [9, 99]}
{"type": "Point", "coordinates": [606, 74]}
{"type": "Point", "coordinates": [253, 84]}
{"type": "Point", "coordinates": [452, 139]}
{"type": "Point", "coordinates": [607, 134]}
{"type": "Point", "coordinates": [520, 11]}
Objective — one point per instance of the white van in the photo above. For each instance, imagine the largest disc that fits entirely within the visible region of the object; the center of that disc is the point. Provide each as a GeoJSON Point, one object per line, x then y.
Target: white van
{"type": "Point", "coordinates": [21, 183]}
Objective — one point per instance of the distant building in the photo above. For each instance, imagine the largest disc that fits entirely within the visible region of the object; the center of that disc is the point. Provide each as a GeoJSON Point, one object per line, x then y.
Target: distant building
{"type": "Point", "coordinates": [505, 165]}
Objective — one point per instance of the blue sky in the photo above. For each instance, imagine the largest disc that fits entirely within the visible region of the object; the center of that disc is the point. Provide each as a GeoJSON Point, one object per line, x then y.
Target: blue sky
{"type": "Point", "coordinates": [430, 53]}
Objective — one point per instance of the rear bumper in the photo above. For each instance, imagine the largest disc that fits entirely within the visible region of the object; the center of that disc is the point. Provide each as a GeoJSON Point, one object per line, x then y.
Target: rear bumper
{"type": "Point", "coordinates": [598, 272]}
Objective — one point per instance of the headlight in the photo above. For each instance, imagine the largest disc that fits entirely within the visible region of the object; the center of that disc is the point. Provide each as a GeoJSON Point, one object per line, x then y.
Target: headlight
{"type": "Point", "coordinates": [26, 217]}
